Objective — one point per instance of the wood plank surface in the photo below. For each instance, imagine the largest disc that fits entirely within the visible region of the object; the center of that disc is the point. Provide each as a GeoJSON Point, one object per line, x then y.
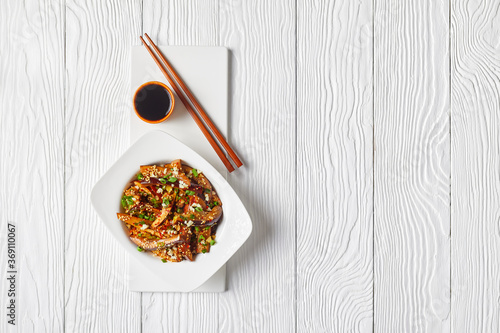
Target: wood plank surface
{"type": "Point", "coordinates": [99, 35]}
{"type": "Point", "coordinates": [475, 181]}
{"type": "Point", "coordinates": [261, 276]}
{"type": "Point", "coordinates": [411, 167]}
{"type": "Point", "coordinates": [371, 151]}
{"type": "Point", "coordinates": [334, 166]}
{"type": "Point", "coordinates": [32, 162]}
{"type": "Point", "coordinates": [181, 23]}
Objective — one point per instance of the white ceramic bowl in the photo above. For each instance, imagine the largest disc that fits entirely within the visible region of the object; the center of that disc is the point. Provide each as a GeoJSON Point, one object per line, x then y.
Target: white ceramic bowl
{"type": "Point", "coordinates": [159, 148]}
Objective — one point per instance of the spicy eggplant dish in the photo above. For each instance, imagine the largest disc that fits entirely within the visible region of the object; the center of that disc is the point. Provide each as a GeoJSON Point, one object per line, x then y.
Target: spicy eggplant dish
{"type": "Point", "coordinates": [172, 211]}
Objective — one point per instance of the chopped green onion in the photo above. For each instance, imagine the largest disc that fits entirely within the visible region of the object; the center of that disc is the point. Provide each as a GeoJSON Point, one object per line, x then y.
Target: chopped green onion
{"type": "Point", "coordinates": [166, 201]}
{"type": "Point", "coordinates": [179, 210]}
{"type": "Point", "coordinates": [192, 216]}
{"type": "Point", "coordinates": [201, 237]}
{"type": "Point", "coordinates": [172, 179]}
{"type": "Point", "coordinates": [212, 242]}
{"type": "Point", "coordinates": [188, 192]}
{"type": "Point", "coordinates": [140, 176]}
{"type": "Point", "coordinates": [141, 216]}
{"type": "Point", "coordinates": [152, 218]}
{"type": "Point", "coordinates": [176, 190]}
{"type": "Point", "coordinates": [203, 251]}
{"type": "Point", "coordinates": [127, 201]}
{"type": "Point", "coordinates": [206, 228]}
{"type": "Point", "coordinates": [196, 229]}
{"type": "Point", "coordinates": [195, 172]}
{"type": "Point", "coordinates": [199, 209]}
{"type": "Point", "coordinates": [140, 249]}
{"type": "Point", "coordinates": [207, 190]}
{"type": "Point", "coordinates": [154, 202]}
{"type": "Point", "coordinates": [163, 260]}
{"type": "Point", "coordinates": [162, 180]}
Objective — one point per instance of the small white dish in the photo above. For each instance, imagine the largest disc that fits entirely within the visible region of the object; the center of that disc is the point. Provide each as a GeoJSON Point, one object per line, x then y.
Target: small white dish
{"type": "Point", "coordinates": [159, 148]}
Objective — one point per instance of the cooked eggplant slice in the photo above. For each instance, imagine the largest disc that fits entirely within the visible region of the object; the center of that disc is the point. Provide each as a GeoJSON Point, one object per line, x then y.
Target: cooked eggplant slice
{"type": "Point", "coordinates": [133, 220]}
{"type": "Point", "coordinates": [157, 244]}
{"type": "Point", "coordinates": [203, 240]}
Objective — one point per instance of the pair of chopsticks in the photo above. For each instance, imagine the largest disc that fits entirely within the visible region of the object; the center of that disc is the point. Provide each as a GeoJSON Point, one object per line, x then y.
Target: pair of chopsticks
{"type": "Point", "coordinates": [185, 94]}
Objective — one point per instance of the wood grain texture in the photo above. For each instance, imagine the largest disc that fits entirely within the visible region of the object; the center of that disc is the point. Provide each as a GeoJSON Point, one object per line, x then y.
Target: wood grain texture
{"type": "Point", "coordinates": [302, 102]}
{"type": "Point", "coordinates": [411, 167]}
{"type": "Point", "coordinates": [98, 39]}
{"type": "Point", "coordinates": [181, 23]}
{"type": "Point", "coordinates": [475, 180]}
{"type": "Point", "coordinates": [32, 161]}
{"type": "Point", "coordinates": [335, 151]}
{"type": "Point", "coordinates": [261, 276]}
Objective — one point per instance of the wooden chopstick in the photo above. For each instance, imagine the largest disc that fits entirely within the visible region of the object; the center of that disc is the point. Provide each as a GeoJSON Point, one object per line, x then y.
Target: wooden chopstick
{"type": "Point", "coordinates": [197, 105]}
{"type": "Point", "coordinates": [193, 114]}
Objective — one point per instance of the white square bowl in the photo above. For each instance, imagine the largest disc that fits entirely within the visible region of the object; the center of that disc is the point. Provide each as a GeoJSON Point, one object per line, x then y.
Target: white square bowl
{"type": "Point", "coordinates": [160, 148]}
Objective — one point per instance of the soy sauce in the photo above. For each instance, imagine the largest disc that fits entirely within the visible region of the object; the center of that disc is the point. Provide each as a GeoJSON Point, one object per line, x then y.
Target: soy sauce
{"type": "Point", "coordinates": [152, 102]}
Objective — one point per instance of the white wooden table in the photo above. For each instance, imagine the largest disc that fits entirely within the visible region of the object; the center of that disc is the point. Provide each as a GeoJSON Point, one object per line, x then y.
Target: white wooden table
{"type": "Point", "coordinates": [370, 133]}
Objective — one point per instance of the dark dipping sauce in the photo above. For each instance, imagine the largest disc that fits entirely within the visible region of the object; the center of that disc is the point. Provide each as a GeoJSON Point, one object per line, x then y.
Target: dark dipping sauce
{"type": "Point", "coordinates": [152, 102]}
